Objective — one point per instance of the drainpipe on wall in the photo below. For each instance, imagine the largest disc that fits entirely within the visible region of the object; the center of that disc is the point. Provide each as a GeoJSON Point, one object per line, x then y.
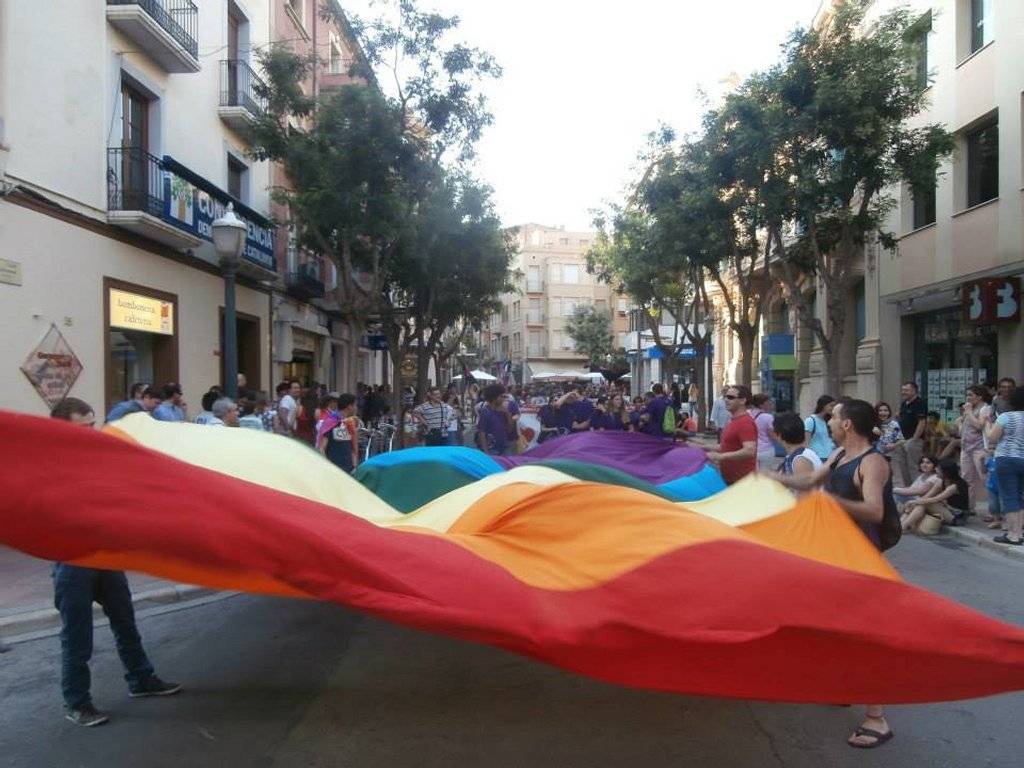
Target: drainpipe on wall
{"type": "Point", "coordinates": [316, 64]}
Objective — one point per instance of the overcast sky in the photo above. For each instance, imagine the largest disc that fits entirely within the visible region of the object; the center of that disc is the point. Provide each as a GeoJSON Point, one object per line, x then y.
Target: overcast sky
{"type": "Point", "coordinates": [586, 80]}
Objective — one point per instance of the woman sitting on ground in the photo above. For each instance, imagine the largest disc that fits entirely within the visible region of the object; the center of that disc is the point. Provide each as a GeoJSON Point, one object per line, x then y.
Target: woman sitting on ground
{"type": "Point", "coordinates": [948, 505]}
{"type": "Point", "coordinates": [927, 484]}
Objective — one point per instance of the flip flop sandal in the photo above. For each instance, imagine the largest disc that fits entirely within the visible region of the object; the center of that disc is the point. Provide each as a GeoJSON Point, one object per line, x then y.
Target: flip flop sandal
{"type": "Point", "coordinates": [879, 738]}
{"type": "Point", "coordinates": [1004, 539]}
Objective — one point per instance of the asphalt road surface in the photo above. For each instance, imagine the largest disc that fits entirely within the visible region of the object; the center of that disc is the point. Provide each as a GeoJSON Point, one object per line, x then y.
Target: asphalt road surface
{"type": "Point", "coordinates": [291, 683]}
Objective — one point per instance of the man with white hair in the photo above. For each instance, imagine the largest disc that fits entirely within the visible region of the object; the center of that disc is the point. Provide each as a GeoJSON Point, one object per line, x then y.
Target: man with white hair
{"type": "Point", "coordinates": [225, 413]}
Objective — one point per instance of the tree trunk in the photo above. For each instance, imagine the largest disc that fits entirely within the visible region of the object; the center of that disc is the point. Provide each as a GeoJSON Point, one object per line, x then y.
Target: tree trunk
{"type": "Point", "coordinates": [351, 366]}
{"type": "Point", "coordinates": [747, 337]}
{"type": "Point", "coordinates": [396, 397]}
{"type": "Point", "coordinates": [700, 366]}
{"type": "Point", "coordinates": [422, 369]}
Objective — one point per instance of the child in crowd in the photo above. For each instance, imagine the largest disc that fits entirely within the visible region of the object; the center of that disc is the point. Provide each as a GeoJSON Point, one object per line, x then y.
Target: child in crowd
{"type": "Point", "coordinates": [788, 430]}
{"type": "Point", "coordinates": [338, 434]}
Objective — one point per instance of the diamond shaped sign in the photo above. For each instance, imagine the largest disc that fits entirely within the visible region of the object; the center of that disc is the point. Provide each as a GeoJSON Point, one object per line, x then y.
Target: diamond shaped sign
{"type": "Point", "coordinates": [52, 367]}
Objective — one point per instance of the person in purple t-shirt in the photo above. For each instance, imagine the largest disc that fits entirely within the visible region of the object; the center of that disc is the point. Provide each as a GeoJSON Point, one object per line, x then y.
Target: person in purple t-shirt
{"type": "Point", "coordinates": [492, 429]}
{"type": "Point", "coordinates": [582, 412]}
{"type": "Point", "coordinates": [654, 414]}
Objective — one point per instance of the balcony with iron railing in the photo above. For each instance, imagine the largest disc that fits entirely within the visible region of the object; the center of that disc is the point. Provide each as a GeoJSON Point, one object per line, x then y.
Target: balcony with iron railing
{"type": "Point", "coordinates": [305, 282]}
{"type": "Point", "coordinates": [166, 30]}
{"type": "Point", "coordinates": [164, 201]}
{"type": "Point", "coordinates": [242, 91]}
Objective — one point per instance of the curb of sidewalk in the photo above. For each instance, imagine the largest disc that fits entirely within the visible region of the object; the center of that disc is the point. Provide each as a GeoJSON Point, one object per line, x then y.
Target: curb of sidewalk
{"type": "Point", "coordinates": [42, 617]}
{"type": "Point", "coordinates": [983, 540]}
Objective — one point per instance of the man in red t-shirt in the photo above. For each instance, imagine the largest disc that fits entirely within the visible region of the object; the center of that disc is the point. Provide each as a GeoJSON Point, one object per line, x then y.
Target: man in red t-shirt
{"type": "Point", "coordinates": [736, 455]}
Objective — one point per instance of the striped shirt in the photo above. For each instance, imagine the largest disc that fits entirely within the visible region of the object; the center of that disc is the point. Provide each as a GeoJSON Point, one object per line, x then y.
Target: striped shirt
{"type": "Point", "coordinates": [1011, 444]}
{"type": "Point", "coordinates": [434, 416]}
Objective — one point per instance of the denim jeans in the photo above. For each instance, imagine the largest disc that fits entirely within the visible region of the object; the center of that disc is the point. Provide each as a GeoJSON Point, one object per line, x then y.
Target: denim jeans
{"type": "Point", "coordinates": [1010, 476]}
{"type": "Point", "coordinates": [74, 590]}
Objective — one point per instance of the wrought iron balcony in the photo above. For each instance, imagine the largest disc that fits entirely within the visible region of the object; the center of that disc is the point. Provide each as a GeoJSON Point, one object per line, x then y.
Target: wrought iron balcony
{"type": "Point", "coordinates": [137, 197]}
{"type": "Point", "coordinates": [241, 94]}
{"type": "Point", "coordinates": [305, 283]}
{"type": "Point", "coordinates": [165, 201]}
{"type": "Point", "coordinates": [167, 30]}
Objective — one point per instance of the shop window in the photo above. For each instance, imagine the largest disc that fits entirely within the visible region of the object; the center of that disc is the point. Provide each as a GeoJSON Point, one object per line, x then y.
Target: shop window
{"type": "Point", "coordinates": [982, 145]}
{"type": "Point", "coordinates": [141, 338]}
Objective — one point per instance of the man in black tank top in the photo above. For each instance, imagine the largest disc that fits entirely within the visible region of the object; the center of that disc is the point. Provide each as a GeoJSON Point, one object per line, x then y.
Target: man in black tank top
{"type": "Point", "coordinates": [858, 477]}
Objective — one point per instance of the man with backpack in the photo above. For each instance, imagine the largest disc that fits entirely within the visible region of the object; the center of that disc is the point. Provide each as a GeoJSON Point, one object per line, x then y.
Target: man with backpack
{"type": "Point", "coordinates": [659, 417]}
{"type": "Point", "coordinates": [736, 454]}
{"type": "Point", "coordinates": [859, 478]}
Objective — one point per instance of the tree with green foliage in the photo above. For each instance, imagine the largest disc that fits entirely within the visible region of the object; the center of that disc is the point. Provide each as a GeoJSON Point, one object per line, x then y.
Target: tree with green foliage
{"type": "Point", "coordinates": [379, 181]}
{"type": "Point", "coordinates": [831, 138]}
{"type": "Point", "coordinates": [591, 332]}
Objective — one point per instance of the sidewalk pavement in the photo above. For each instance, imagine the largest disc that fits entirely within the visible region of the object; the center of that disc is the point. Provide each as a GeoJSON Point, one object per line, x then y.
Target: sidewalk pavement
{"type": "Point", "coordinates": [978, 533]}
{"type": "Point", "coordinates": [26, 594]}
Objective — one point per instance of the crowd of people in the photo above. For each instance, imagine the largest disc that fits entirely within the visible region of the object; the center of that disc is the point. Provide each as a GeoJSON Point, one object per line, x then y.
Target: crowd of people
{"type": "Point", "coordinates": [943, 472]}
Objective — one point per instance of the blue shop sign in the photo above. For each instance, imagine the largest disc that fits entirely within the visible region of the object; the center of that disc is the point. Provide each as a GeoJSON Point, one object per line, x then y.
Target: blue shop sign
{"type": "Point", "coordinates": [193, 208]}
{"type": "Point", "coordinates": [687, 352]}
{"type": "Point", "coordinates": [375, 341]}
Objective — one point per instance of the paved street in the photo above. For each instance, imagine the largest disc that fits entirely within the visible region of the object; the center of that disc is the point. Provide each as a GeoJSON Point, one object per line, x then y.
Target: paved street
{"type": "Point", "coordinates": [289, 683]}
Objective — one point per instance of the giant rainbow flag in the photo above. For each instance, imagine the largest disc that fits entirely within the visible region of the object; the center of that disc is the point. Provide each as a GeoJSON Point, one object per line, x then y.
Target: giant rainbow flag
{"type": "Point", "coordinates": [746, 594]}
{"type": "Point", "coordinates": [409, 479]}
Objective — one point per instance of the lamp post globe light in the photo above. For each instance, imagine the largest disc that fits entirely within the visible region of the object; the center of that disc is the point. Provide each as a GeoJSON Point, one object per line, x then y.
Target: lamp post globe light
{"type": "Point", "coordinates": [229, 241]}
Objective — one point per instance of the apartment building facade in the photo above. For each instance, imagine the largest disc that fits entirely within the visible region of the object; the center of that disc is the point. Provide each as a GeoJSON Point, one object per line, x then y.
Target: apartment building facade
{"type": "Point", "coordinates": [118, 153]}
{"type": "Point", "coordinates": [943, 308]}
{"type": "Point", "coordinates": [530, 331]}
{"type": "Point", "coordinates": [949, 297]}
{"type": "Point", "coordinates": [311, 343]}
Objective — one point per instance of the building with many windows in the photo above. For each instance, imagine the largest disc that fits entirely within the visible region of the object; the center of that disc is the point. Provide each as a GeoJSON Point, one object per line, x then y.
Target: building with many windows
{"type": "Point", "coordinates": [115, 158]}
{"type": "Point", "coordinates": [943, 308]}
{"type": "Point", "coordinates": [553, 280]}
{"type": "Point", "coordinates": [118, 153]}
{"type": "Point", "coordinates": [948, 298]}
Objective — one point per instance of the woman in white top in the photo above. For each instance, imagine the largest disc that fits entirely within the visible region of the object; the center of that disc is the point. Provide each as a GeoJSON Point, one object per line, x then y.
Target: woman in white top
{"type": "Point", "coordinates": [764, 420]}
{"type": "Point", "coordinates": [1007, 434]}
{"type": "Point", "coordinates": [927, 484]}
{"type": "Point", "coordinates": [976, 413]}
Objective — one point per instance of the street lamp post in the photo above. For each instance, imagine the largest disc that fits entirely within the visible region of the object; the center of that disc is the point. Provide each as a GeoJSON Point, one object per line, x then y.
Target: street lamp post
{"type": "Point", "coordinates": [229, 240]}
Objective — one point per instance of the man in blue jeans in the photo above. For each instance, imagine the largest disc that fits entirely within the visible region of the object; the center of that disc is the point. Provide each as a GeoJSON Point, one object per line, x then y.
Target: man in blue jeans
{"type": "Point", "coordinates": [75, 589]}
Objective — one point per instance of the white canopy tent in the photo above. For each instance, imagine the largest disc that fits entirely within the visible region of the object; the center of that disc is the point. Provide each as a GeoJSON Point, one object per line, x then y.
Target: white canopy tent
{"type": "Point", "coordinates": [553, 376]}
{"type": "Point", "coordinates": [595, 377]}
{"type": "Point", "coordinates": [478, 375]}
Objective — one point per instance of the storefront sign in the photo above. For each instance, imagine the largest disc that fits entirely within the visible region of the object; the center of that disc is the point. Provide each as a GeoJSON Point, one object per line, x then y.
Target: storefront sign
{"type": "Point", "coordinates": [52, 367]}
{"type": "Point", "coordinates": [10, 272]}
{"type": "Point", "coordinates": [996, 300]}
{"type": "Point", "coordinates": [195, 210]}
{"type": "Point", "coordinates": [141, 313]}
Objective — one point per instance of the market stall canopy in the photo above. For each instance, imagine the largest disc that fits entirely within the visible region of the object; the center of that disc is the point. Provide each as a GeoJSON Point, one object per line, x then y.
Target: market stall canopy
{"type": "Point", "coordinates": [478, 375]}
